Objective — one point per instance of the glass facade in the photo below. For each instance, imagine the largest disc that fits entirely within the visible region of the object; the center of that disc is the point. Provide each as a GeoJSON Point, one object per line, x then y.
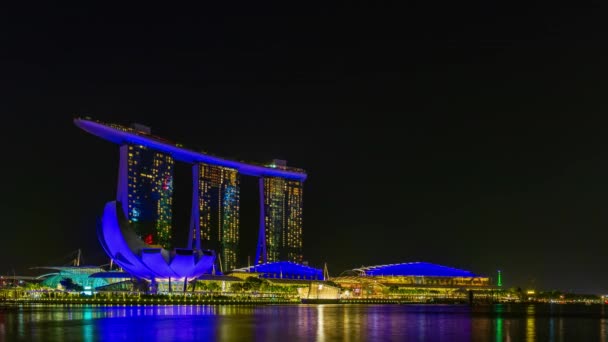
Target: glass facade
{"type": "Point", "coordinates": [293, 243]}
{"type": "Point", "coordinates": [218, 191]}
{"type": "Point", "coordinates": [149, 182]}
{"type": "Point", "coordinates": [283, 219]}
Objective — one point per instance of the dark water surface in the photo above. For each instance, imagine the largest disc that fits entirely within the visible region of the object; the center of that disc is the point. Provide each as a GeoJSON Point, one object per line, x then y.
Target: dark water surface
{"type": "Point", "coordinates": [504, 322]}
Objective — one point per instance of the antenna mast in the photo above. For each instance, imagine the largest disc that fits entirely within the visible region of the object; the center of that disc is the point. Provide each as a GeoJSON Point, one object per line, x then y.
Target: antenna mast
{"type": "Point", "coordinates": [77, 260]}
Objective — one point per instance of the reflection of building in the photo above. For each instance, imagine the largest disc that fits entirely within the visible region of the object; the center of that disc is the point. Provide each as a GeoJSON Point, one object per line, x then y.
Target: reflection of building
{"type": "Point", "coordinates": [216, 212]}
{"type": "Point", "coordinates": [145, 190]}
{"type": "Point", "coordinates": [282, 224]}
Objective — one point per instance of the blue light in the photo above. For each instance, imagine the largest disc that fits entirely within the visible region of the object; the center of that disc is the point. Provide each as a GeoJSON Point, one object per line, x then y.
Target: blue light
{"type": "Point", "coordinates": [134, 256]}
{"type": "Point", "coordinates": [415, 269]}
{"type": "Point", "coordinates": [284, 270]}
{"type": "Point", "coordinates": [182, 154]}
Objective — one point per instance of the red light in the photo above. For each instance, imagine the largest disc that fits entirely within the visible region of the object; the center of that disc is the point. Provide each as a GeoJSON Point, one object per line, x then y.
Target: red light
{"type": "Point", "coordinates": [148, 239]}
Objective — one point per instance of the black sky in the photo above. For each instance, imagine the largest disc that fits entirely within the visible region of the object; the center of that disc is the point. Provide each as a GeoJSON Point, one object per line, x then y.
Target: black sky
{"type": "Point", "coordinates": [467, 135]}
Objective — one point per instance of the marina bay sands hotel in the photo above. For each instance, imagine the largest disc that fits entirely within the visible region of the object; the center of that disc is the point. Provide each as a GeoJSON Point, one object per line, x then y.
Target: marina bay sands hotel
{"type": "Point", "coordinates": [145, 191]}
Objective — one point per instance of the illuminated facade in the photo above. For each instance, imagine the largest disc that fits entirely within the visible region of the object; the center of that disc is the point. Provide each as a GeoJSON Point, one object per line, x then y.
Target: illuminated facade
{"type": "Point", "coordinates": [216, 212]}
{"type": "Point", "coordinates": [145, 189]}
{"type": "Point", "coordinates": [412, 278]}
{"type": "Point", "coordinates": [145, 195]}
{"type": "Point", "coordinates": [293, 241]}
{"type": "Point", "coordinates": [282, 222]}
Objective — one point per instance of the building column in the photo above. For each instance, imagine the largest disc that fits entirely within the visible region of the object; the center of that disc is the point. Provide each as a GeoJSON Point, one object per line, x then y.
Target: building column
{"type": "Point", "coordinates": [122, 190]}
{"type": "Point", "coordinates": [195, 222]}
{"type": "Point", "coordinates": [261, 256]}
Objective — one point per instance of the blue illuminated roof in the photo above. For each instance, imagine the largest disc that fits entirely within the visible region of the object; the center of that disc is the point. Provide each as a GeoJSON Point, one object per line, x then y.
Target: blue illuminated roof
{"type": "Point", "coordinates": [287, 269]}
{"type": "Point", "coordinates": [414, 269]}
{"type": "Point", "coordinates": [182, 154]}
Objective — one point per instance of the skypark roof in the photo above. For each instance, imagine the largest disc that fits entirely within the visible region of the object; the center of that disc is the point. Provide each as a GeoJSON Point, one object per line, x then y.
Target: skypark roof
{"type": "Point", "coordinates": [182, 154]}
{"type": "Point", "coordinates": [414, 269]}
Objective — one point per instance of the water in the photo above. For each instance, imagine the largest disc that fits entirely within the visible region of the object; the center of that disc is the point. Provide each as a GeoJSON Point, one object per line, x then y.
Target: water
{"type": "Point", "coordinates": [505, 322]}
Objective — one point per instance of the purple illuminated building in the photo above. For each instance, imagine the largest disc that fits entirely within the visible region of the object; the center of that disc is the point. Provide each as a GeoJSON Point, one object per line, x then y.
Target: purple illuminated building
{"type": "Point", "coordinates": [145, 196]}
{"type": "Point", "coordinates": [135, 256]}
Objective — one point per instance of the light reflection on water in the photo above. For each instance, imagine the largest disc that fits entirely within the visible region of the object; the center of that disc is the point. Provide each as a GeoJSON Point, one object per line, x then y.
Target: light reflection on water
{"type": "Point", "coordinates": [320, 322]}
{"type": "Point", "coordinates": [603, 326]}
{"type": "Point", "coordinates": [305, 322]}
{"type": "Point", "coordinates": [530, 324]}
{"type": "Point", "coordinates": [498, 322]}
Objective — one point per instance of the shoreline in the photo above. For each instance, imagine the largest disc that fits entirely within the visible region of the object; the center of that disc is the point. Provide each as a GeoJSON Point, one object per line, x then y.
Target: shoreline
{"type": "Point", "coordinates": [260, 301]}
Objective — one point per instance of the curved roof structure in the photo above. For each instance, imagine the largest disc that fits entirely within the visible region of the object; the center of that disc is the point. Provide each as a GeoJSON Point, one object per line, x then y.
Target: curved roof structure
{"type": "Point", "coordinates": [124, 135]}
{"type": "Point", "coordinates": [284, 269]}
{"type": "Point", "coordinates": [80, 275]}
{"type": "Point", "coordinates": [425, 269]}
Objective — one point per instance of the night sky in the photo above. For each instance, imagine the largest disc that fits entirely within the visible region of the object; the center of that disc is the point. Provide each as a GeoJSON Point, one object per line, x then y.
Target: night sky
{"type": "Point", "coordinates": [472, 136]}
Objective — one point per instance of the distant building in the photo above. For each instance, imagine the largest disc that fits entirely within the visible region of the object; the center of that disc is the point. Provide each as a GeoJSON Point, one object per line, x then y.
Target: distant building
{"type": "Point", "coordinates": [279, 270]}
{"type": "Point", "coordinates": [410, 278]}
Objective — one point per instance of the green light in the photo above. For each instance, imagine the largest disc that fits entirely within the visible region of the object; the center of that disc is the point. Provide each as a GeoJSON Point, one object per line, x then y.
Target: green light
{"type": "Point", "coordinates": [499, 281]}
{"type": "Point", "coordinates": [499, 322]}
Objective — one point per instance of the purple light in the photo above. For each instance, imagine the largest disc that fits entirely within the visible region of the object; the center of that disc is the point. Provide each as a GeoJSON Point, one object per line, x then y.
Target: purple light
{"type": "Point", "coordinates": [181, 154]}
{"type": "Point", "coordinates": [141, 260]}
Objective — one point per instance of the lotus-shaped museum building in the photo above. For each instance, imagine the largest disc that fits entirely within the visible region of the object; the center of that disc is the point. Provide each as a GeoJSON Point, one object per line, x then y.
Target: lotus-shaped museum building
{"type": "Point", "coordinates": [123, 245]}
